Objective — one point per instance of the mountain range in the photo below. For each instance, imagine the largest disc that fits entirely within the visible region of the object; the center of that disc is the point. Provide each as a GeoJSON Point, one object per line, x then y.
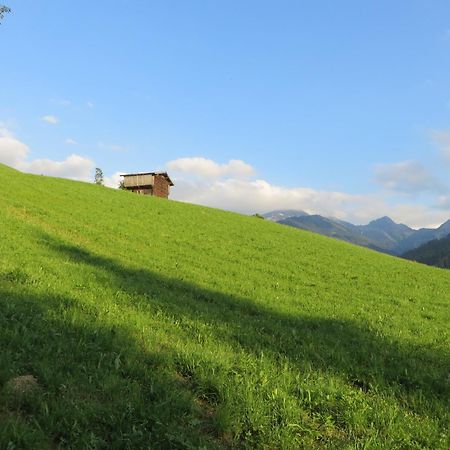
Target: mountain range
{"type": "Point", "coordinates": [382, 234]}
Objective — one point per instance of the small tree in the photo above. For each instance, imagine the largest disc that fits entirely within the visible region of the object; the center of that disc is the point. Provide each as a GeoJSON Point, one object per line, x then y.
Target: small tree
{"type": "Point", "coordinates": [121, 185]}
{"type": "Point", "coordinates": [4, 10]}
{"type": "Point", "coordinates": [98, 176]}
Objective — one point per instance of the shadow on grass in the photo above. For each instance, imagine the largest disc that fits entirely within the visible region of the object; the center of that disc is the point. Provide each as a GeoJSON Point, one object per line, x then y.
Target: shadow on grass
{"type": "Point", "coordinates": [105, 390]}
{"type": "Point", "coordinates": [329, 344]}
{"type": "Point", "coordinates": [97, 387]}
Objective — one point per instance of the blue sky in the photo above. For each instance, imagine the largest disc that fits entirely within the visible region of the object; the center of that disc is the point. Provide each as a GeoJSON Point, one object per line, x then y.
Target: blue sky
{"type": "Point", "coordinates": [340, 108]}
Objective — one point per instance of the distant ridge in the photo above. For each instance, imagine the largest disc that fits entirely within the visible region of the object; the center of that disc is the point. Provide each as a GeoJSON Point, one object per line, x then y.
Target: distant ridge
{"type": "Point", "coordinates": [382, 234]}
{"type": "Point", "coordinates": [433, 253]}
{"type": "Point", "coordinates": [422, 236]}
{"type": "Point", "coordinates": [281, 214]}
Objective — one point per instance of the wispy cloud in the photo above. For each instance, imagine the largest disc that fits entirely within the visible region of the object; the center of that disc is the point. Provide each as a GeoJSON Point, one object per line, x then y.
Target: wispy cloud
{"type": "Point", "coordinates": [407, 177]}
{"type": "Point", "coordinates": [70, 141]}
{"type": "Point", "coordinates": [112, 147]}
{"type": "Point", "coordinates": [60, 102]}
{"type": "Point", "coordinates": [52, 120]}
{"type": "Point", "coordinates": [444, 202]}
{"type": "Point", "coordinates": [90, 105]}
{"type": "Point", "coordinates": [5, 130]}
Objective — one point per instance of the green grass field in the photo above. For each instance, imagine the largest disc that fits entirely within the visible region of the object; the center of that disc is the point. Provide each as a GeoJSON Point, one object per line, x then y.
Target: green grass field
{"type": "Point", "coordinates": [149, 323]}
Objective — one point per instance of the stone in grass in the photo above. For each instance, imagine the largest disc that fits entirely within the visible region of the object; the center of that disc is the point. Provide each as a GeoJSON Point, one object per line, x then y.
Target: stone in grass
{"type": "Point", "coordinates": [22, 388]}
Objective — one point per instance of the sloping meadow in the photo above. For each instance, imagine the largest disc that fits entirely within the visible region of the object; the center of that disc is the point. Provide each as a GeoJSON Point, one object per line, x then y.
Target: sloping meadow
{"type": "Point", "coordinates": [139, 322]}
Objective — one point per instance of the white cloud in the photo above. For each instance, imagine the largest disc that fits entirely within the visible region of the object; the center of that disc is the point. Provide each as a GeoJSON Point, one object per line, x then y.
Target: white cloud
{"type": "Point", "coordinates": [249, 196]}
{"type": "Point", "coordinates": [70, 141]}
{"type": "Point", "coordinates": [90, 105]}
{"type": "Point", "coordinates": [113, 181]}
{"type": "Point", "coordinates": [52, 120]}
{"type": "Point", "coordinates": [207, 168]}
{"type": "Point", "coordinates": [75, 167]}
{"type": "Point", "coordinates": [16, 154]}
{"type": "Point", "coordinates": [409, 177]}
{"type": "Point", "coordinates": [12, 151]}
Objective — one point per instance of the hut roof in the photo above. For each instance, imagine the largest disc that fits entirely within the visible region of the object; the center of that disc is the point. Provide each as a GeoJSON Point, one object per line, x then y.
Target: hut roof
{"type": "Point", "coordinates": [164, 174]}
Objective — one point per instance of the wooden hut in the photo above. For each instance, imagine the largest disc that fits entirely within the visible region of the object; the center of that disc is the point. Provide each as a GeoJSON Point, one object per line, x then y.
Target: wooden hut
{"type": "Point", "coordinates": [148, 183]}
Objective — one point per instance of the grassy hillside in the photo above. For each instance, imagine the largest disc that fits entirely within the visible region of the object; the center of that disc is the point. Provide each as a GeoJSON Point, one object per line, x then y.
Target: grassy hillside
{"type": "Point", "coordinates": [149, 323]}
